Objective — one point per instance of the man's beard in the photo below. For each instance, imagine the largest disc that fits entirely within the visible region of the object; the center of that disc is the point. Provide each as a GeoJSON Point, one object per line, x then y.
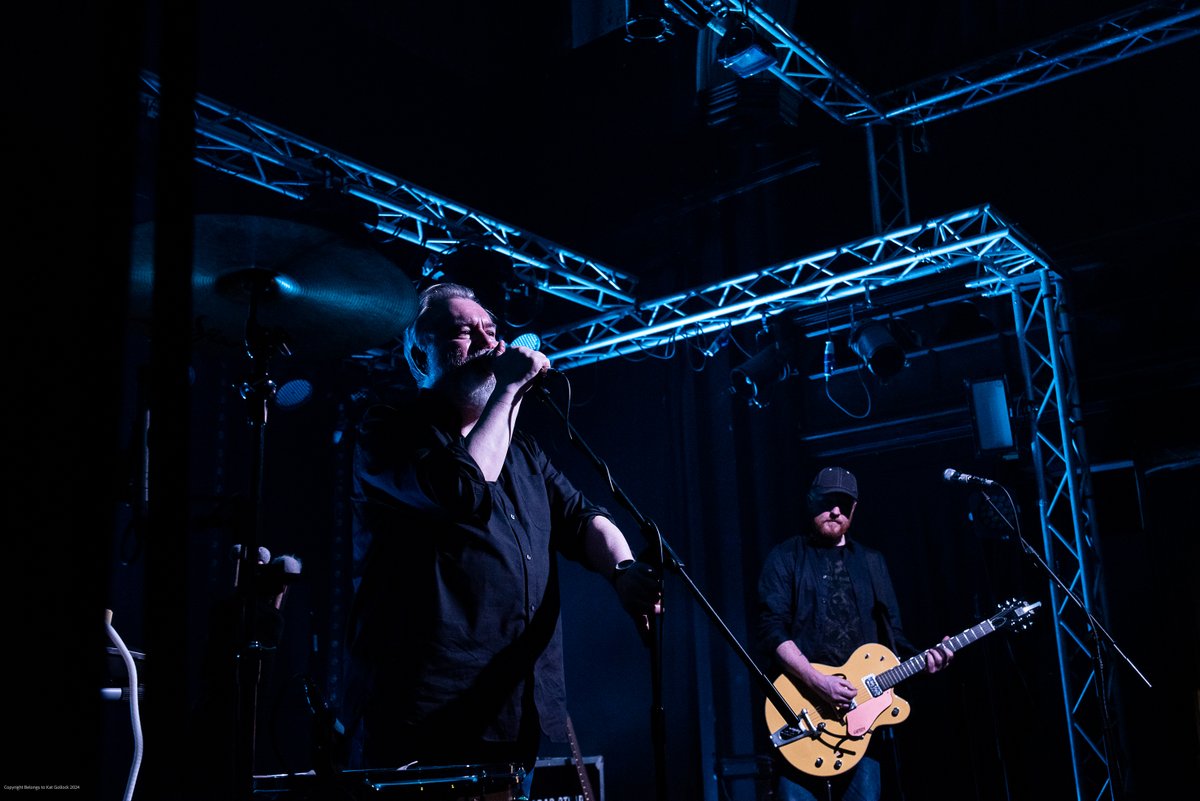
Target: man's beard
{"type": "Point", "coordinates": [832, 529]}
{"type": "Point", "coordinates": [472, 380]}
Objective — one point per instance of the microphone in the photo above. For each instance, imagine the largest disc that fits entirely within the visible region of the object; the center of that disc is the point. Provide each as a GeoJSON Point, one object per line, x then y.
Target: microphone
{"type": "Point", "coordinates": [954, 477]}
{"type": "Point", "coordinates": [828, 358]}
{"type": "Point", "coordinates": [543, 378]}
{"type": "Point", "coordinates": [549, 372]}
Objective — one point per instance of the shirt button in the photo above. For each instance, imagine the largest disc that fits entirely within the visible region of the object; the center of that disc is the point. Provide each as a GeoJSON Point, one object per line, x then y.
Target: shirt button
{"type": "Point", "coordinates": [528, 556]}
{"type": "Point", "coordinates": [511, 516]}
{"type": "Point", "coordinates": [533, 607]}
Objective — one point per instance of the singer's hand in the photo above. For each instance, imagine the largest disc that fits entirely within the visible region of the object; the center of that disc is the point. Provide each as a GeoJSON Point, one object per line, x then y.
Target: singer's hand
{"type": "Point", "coordinates": [638, 588]}
{"type": "Point", "coordinates": [517, 367]}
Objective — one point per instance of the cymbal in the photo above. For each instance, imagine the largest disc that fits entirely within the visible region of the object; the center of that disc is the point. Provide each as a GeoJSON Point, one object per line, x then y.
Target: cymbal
{"type": "Point", "coordinates": [321, 294]}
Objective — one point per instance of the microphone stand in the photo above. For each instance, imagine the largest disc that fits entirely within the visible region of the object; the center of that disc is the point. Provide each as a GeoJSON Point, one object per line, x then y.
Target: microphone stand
{"type": "Point", "coordinates": [794, 727]}
{"type": "Point", "coordinates": [1097, 630]}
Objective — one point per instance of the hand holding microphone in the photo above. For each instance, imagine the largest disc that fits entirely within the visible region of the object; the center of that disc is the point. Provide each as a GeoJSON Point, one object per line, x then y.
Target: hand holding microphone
{"type": "Point", "coordinates": [518, 366]}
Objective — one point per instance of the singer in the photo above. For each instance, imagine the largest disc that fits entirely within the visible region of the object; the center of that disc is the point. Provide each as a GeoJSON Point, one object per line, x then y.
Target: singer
{"type": "Point", "coordinates": [455, 652]}
{"type": "Point", "coordinates": [821, 596]}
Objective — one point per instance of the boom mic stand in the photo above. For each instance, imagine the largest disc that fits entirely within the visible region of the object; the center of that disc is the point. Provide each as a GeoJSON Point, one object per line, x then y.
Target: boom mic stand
{"type": "Point", "coordinates": [1098, 631]}
{"type": "Point", "coordinates": [794, 727]}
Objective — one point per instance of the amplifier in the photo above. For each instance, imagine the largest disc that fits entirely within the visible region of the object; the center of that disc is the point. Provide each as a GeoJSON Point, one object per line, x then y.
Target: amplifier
{"type": "Point", "coordinates": [558, 780]}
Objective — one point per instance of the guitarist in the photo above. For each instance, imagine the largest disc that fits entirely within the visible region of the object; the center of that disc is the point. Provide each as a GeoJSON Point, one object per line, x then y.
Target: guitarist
{"type": "Point", "coordinates": [821, 596]}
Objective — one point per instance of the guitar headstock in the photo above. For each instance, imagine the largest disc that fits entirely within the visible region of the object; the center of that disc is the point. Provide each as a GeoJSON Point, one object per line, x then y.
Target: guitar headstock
{"type": "Point", "coordinates": [1014, 614]}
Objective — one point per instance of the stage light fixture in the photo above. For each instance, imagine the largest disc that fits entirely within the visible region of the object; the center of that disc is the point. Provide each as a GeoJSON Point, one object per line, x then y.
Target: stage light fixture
{"type": "Point", "coordinates": [768, 366]}
{"type": "Point", "coordinates": [646, 21]}
{"type": "Point", "coordinates": [742, 50]}
{"type": "Point", "coordinates": [872, 340]}
{"type": "Point", "coordinates": [780, 344]}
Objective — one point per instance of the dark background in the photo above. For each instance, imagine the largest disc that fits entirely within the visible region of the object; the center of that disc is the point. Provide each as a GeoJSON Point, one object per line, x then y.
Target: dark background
{"type": "Point", "coordinates": [544, 117]}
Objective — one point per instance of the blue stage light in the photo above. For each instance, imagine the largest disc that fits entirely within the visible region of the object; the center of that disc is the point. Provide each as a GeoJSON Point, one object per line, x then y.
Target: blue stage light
{"type": "Point", "coordinates": [741, 50]}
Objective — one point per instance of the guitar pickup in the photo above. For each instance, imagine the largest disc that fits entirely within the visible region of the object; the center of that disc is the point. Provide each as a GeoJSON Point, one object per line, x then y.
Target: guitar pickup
{"type": "Point", "coordinates": [790, 734]}
{"type": "Point", "coordinates": [871, 682]}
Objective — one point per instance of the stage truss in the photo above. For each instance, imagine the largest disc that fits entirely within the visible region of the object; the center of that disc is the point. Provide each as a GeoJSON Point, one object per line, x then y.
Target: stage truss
{"type": "Point", "coordinates": [1094, 44]}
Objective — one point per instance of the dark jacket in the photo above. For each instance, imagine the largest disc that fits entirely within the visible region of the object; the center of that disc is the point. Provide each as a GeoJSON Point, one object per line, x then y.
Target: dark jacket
{"type": "Point", "coordinates": [792, 598]}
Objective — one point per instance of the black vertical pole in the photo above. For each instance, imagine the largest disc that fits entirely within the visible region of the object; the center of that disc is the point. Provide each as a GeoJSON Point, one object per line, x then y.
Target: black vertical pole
{"type": "Point", "coordinates": [166, 760]}
{"type": "Point", "coordinates": [72, 90]}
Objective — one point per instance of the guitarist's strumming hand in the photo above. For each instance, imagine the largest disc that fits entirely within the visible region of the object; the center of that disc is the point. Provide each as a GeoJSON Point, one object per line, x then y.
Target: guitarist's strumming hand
{"type": "Point", "coordinates": [833, 689]}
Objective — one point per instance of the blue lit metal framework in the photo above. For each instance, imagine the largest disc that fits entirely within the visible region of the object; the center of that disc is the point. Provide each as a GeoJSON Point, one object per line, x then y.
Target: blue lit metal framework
{"type": "Point", "coordinates": [889, 177]}
{"type": "Point", "coordinates": [235, 143]}
{"type": "Point", "coordinates": [975, 244]}
{"type": "Point", "coordinates": [1085, 47]}
{"type": "Point", "coordinates": [1069, 541]}
{"type": "Point", "coordinates": [1071, 52]}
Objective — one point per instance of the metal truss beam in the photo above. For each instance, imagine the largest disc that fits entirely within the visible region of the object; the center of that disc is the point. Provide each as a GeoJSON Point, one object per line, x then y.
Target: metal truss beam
{"type": "Point", "coordinates": [237, 144]}
{"type": "Point", "coordinates": [1069, 539]}
{"type": "Point", "coordinates": [799, 65]}
{"type": "Point", "coordinates": [1072, 52]}
{"type": "Point", "coordinates": [976, 242]}
{"type": "Point", "coordinates": [1113, 38]}
{"type": "Point", "coordinates": [889, 178]}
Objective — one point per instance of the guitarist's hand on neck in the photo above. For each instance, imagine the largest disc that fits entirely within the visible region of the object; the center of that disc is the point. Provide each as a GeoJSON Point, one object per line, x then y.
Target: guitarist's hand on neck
{"type": "Point", "coordinates": [939, 657]}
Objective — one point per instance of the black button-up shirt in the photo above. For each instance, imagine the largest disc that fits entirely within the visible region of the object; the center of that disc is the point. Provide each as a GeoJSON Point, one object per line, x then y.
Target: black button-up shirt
{"type": "Point", "coordinates": [456, 625]}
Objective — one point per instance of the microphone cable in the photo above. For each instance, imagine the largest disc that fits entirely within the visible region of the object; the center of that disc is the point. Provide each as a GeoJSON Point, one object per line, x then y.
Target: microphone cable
{"type": "Point", "coordinates": [134, 713]}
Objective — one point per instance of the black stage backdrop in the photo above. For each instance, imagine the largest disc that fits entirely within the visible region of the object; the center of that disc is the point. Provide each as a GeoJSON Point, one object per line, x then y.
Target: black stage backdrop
{"type": "Point", "coordinates": [1109, 196]}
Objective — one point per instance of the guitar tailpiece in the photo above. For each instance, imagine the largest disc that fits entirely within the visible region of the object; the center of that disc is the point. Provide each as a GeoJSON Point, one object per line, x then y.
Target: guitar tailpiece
{"type": "Point", "coordinates": [788, 734]}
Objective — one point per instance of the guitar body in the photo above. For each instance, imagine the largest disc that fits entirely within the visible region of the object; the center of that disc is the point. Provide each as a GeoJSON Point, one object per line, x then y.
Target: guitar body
{"type": "Point", "coordinates": [841, 738]}
{"type": "Point", "coordinates": [827, 741]}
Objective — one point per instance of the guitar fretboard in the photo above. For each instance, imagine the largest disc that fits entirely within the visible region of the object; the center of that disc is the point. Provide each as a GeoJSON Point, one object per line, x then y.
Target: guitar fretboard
{"type": "Point", "coordinates": [914, 665]}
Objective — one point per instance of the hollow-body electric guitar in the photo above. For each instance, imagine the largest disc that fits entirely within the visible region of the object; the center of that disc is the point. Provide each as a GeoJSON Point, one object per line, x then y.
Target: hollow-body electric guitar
{"type": "Point", "coordinates": [828, 741]}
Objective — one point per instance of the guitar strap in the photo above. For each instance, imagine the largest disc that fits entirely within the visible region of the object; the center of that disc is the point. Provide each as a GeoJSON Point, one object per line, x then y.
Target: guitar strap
{"type": "Point", "coordinates": [885, 625]}
{"type": "Point", "coordinates": [585, 783]}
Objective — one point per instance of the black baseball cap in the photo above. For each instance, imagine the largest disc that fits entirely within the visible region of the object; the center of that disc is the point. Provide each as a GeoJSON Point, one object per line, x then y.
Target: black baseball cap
{"type": "Point", "coordinates": [833, 480]}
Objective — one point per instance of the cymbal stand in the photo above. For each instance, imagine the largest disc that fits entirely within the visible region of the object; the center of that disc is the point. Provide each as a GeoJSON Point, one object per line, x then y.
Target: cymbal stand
{"type": "Point", "coordinates": [261, 344]}
{"type": "Point", "coordinates": [666, 558]}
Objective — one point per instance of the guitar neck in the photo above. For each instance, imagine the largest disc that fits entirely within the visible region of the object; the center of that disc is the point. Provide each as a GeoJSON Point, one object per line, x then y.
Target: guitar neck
{"type": "Point", "coordinates": [914, 665]}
